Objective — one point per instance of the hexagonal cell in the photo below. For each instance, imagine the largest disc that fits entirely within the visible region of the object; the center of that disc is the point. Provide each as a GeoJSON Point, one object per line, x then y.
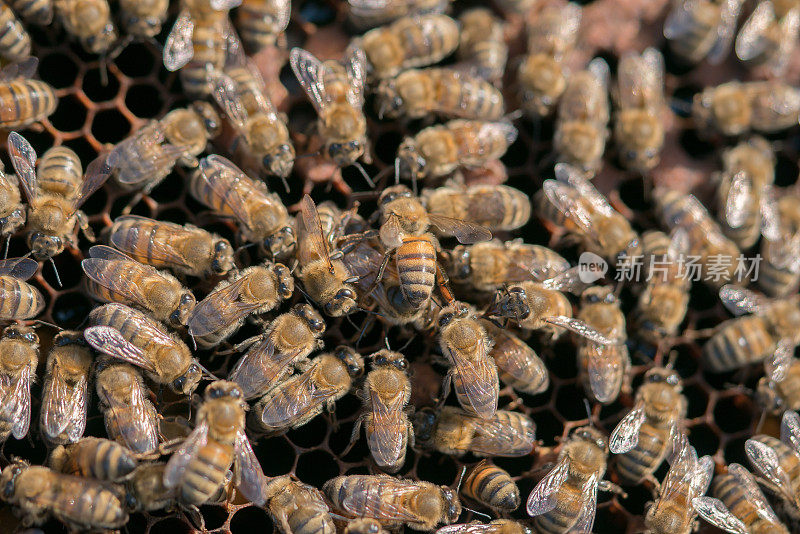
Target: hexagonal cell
{"type": "Point", "coordinates": [316, 467]}
{"type": "Point", "coordinates": [70, 309]}
{"type": "Point", "coordinates": [734, 413]}
{"type": "Point", "coordinates": [169, 190]}
{"type": "Point", "coordinates": [100, 86]}
{"type": "Point", "coordinates": [110, 126]}
{"type": "Point", "coordinates": [385, 146]}
{"type": "Point", "coordinates": [144, 100]}
{"type": "Point", "coordinates": [610, 519]}
{"type": "Point", "coordinates": [698, 400]}
{"type": "Point", "coordinates": [251, 519]}
{"type": "Point", "coordinates": [83, 148]}
{"type": "Point", "coordinates": [734, 452]}
{"type": "Point", "coordinates": [59, 70]}
{"type": "Point", "coordinates": [171, 525]}
{"type": "Point", "coordinates": [137, 59]}
{"type": "Point", "coordinates": [569, 402]}
{"type": "Point", "coordinates": [548, 426]}
{"type": "Point", "coordinates": [310, 434]}
{"type": "Point", "coordinates": [704, 439]}
{"type": "Point", "coordinates": [70, 115]}
{"type": "Point", "coordinates": [437, 468]}
{"type": "Point", "coordinates": [214, 515]}
{"type": "Point", "coordinates": [277, 456]}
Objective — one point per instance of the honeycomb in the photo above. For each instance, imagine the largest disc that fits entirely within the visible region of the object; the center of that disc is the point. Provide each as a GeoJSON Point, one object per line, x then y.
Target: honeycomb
{"type": "Point", "coordinates": [92, 114]}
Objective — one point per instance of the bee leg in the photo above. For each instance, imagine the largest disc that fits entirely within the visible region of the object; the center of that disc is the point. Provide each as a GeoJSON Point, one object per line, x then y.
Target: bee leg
{"type": "Point", "coordinates": [446, 383]}
{"type": "Point", "coordinates": [410, 433]}
{"type": "Point", "coordinates": [656, 485]}
{"type": "Point", "coordinates": [83, 224]}
{"type": "Point", "coordinates": [194, 517]}
{"type": "Point", "coordinates": [607, 485]}
{"type": "Point", "coordinates": [354, 435]}
{"type": "Point", "coordinates": [330, 406]}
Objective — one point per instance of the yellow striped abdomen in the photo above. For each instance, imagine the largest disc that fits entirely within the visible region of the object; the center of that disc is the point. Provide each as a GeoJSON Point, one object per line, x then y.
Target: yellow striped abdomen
{"type": "Point", "coordinates": [23, 102]}
{"type": "Point", "coordinates": [206, 474]}
{"type": "Point", "coordinates": [416, 266]}
{"type": "Point", "coordinates": [15, 43]}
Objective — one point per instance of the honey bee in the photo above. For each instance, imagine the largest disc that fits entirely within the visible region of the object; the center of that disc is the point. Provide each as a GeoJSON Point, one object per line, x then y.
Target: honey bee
{"type": "Point", "coordinates": [492, 487]}
{"type": "Point", "coordinates": [15, 43]}
{"type": "Point", "coordinates": [365, 525]}
{"type": "Point", "coordinates": [409, 42]}
{"type": "Point", "coordinates": [498, 526]}
{"type": "Point", "coordinates": [603, 368]}
{"type": "Point", "coordinates": [82, 504]}
{"type": "Point", "coordinates": [185, 249]}
{"type": "Point", "coordinates": [439, 150]}
{"type": "Point", "coordinates": [298, 508]}
{"type": "Point", "coordinates": [688, 478]}
{"type": "Point", "coordinates": [262, 217]}
{"type": "Point", "coordinates": [734, 108]}
{"type": "Point", "coordinates": [700, 30]}
{"type": "Point", "coordinates": [541, 75]}
{"type": "Point", "coordinates": [496, 207]}
{"type": "Point", "coordinates": [19, 356]}
{"type": "Point", "coordinates": [518, 365]}
{"type": "Point", "coordinates": [263, 133]}
{"type": "Point", "coordinates": [115, 277]}
{"type": "Point", "coordinates": [779, 270]}
{"type": "Point", "coordinates": [130, 417]}
{"type": "Point", "coordinates": [97, 458]}
{"type": "Point", "coordinates": [145, 489]}
{"type": "Point", "coordinates": [738, 506]}
{"type": "Point", "coordinates": [24, 101]}
{"type": "Point", "coordinates": [394, 501]}
{"type": "Point", "coordinates": [370, 13]}
{"type": "Point", "coordinates": [565, 500]}
{"type": "Point", "coordinates": [261, 21]}
{"type": "Point", "coordinates": [751, 339]}
{"type": "Point", "coordinates": [769, 35]}
{"type": "Point", "coordinates": [645, 436]}
{"type": "Point", "coordinates": [296, 401]}
{"type": "Point", "coordinates": [638, 126]}
{"type": "Point", "coordinates": [778, 461]}
{"type": "Point", "coordinates": [289, 339]}
{"type": "Point", "coordinates": [12, 211]}
{"type": "Point", "coordinates": [455, 432]}
{"type": "Point", "coordinates": [418, 93]}
{"type": "Point", "coordinates": [255, 290]}
{"type": "Point", "coordinates": [582, 119]}
{"type": "Point", "coordinates": [385, 394]}
{"type": "Point", "coordinates": [200, 466]}
{"type": "Point", "coordinates": [778, 389]}
{"type": "Point", "coordinates": [133, 337]}
{"type": "Point", "coordinates": [56, 194]}
{"type": "Point", "coordinates": [324, 275]}
{"type": "Point", "coordinates": [482, 48]}
{"type": "Point", "coordinates": [749, 169]}
{"type": "Point", "coordinates": [33, 11]}
{"type": "Point", "coordinates": [143, 20]}
{"type": "Point", "coordinates": [65, 397]}
{"type": "Point", "coordinates": [19, 299]}
{"type": "Point", "coordinates": [88, 21]}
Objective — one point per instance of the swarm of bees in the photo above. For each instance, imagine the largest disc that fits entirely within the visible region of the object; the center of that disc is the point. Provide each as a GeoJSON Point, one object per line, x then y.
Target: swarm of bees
{"type": "Point", "coordinates": [417, 315]}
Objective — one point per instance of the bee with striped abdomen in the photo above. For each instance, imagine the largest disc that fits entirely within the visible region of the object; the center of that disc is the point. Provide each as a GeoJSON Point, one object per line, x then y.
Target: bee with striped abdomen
{"type": "Point", "coordinates": [33, 11]}
{"type": "Point", "coordinates": [780, 269]}
{"type": "Point", "coordinates": [491, 486]}
{"type": "Point", "coordinates": [298, 508]}
{"type": "Point", "coordinates": [97, 458]}
{"type": "Point", "coordinates": [19, 356]}
{"type": "Point", "coordinates": [778, 461]}
{"type": "Point", "coordinates": [15, 43]}
{"type": "Point", "coordinates": [19, 299]}
{"type": "Point", "coordinates": [698, 30]}
{"type": "Point", "coordinates": [482, 48]}
{"type": "Point", "coordinates": [65, 397]}
{"type": "Point", "coordinates": [495, 207]}
{"type": "Point", "coordinates": [498, 526]}
{"type": "Point", "coordinates": [769, 35]}
{"type": "Point", "coordinates": [89, 22]}
{"type": "Point", "coordinates": [261, 22]}
{"type": "Point", "coordinates": [24, 101]}
{"type": "Point", "coordinates": [517, 363]}
{"type": "Point", "coordinates": [365, 14]}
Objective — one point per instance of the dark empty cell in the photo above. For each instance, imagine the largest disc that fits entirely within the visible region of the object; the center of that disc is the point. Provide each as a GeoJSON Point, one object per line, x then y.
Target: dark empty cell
{"type": "Point", "coordinates": [214, 515]}
{"type": "Point", "coordinates": [96, 203]}
{"type": "Point", "coordinates": [632, 193]}
{"type": "Point", "coordinates": [437, 468]}
{"type": "Point", "coordinates": [302, 117]}
{"type": "Point", "coordinates": [723, 380]}
{"type": "Point", "coordinates": [70, 309]}
{"type": "Point", "coordinates": [59, 70]}
{"type": "Point", "coordinates": [340, 440]}
{"type": "Point", "coordinates": [251, 519]}
{"type": "Point", "coordinates": [561, 361]}
{"type": "Point", "coordinates": [734, 452]}
{"type": "Point", "coordinates": [317, 12]}
{"type": "Point", "coordinates": [638, 497]}
{"type": "Point", "coordinates": [569, 402]}
{"type": "Point", "coordinates": [316, 467]}
{"type": "Point", "coordinates": [140, 208]}
{"type": "Point", "coordinates": [702, 297]}
{"type": "Point", "coordinates": [347, 406]}
{"type": "Point", "coordinates": [169, 190]}
{"type": "Point", "coordinates": [704, 439]}
{"type": "Point", "coordinates": [136, 59]}
{"type": "Point", "coordinates": [99, 89]}
{"type": "Point", "coordinates": [519, 464]}
{"type": "Point", "coordinates": [174, 215]}
{"type": "Point", "coordinates": [698, 400]}
{"type": "Point", "coordinates": [358, 470]}
{"type": "Point", "coordinates": [734, 413]}
{"type": "Point", "coordinates": [36, 453]}
{"type": "Point", "coordinates": [289, 80]}
{"type": "Point", "coordinates": [609, 521]}
{"type": "Point", "coordinates": [70, 115]}
{"type": "Point", "coordinates": [685, 360]}
{"type": "Point", "coordinates": [785, 170]}
{"type": "Point", "coordinates": [694, 146]}
{"type": "Point", "coordinates": [137, 523]}
{"type": "Point", "coordinates": [276, 455]}
{"type": "Point", "coordinates": [385, 146]}
{"type": "Point", "coordinates": [674, 64]}
{"type": "Point", "coordinates": [110, 126]}
{"type": "Point", "coordinates": [548, 426]}
{"type": "Point", "coordinates": [354, 177]}
{"type": "Point", "coordinates": [171, 525]}
{"type": "Point", "coordinates": [144, 101]}
{"type": "Point", "coordinates": [517, 154]}
{"type": "Point", "coordinates": [69, 269]}
{"type": "Point", "coordinates": [310, 434]}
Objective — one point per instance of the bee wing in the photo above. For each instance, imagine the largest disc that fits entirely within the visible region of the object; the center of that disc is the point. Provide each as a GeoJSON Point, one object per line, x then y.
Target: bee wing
{"type": "Point", "coordinates": [653, 74]}
{"type": "Point", "coordinates": [160, 250]}
{"type": "Point", "coordinates": [391, 233]}
{"type": "Point", "coordinates": [766, 462]}
{"type": "Point", "coordinates": [23, 158]}
{"type": "Point", "coordinates": [680, 474]}
{"type": "Point", "coordinates": [382, 506]}
{"type": "Point", "coordinates": [309, 72]}
{"type": "Point", "coordinates": [567, 280]}
{"type": "Point", "coordinates": [385, 442]}
{"type": "Point", "coordinates": [16, 403]}
{"type": "Point", "coordinates": [220, 309]}
{"type": "Point", "coordinates": [626, 434]}
{"type": "Point", "coordinates": [749, 42]}
{"type": "Point", "coordinates": [464, 231]}
{"type": "Point", "coordinates": [790, 430]}
{"type": "Point", "coordinates": [567, 200]}
{"type": "Point", "coordinates": [599, 69]}
{"type": "Point", "coordinates": [65, 408]}
{"type": "Point", "coordinates": [223, 184]}
{"type": "Point", "coordinates": [489, 130]}
{"type": "Point", "coordinates": [726, 29]}
{"type": "Point", "coordinates": [98, 171]}
{"type": "Point", "coordinates": [789, 26]}
{"type": "Point", "coordinates": [777, 365]}
{"type": "Point", "coordinates": [679, 19]}
{"type": "Point", "coordinates": [303, 393]}
{"type": "Point", "coordinates": [248, 475]}
{"type": "Point", "coordinates": [282, 10]}
{"type": "Point", "coordinates": [21, 69]}
{"type": "Point", "coordinates": [716, 513]}
{"type": "Point", "coordinates": [137, 158]}
{"type": "Point", "coordinates": [479, 379]}
{"type": "Point", "coordinates": [104, 252]}
{"type": "Point", "coordinates": [703, 475]}
{"type": "Point", "coordinates": [256, 370]}
{"type": "Point", "coordinates": [515, 441]}
{"type": "Point", "coordinates": [109, 341]}
{"type": "Point", "coordinates": [186, 453]}
{"type": "Point", "coordinates": [581, 328]}
{"type": "Point", "coordinates": [118, 280]}
{"type": "Point", "coordinates": [356, 66]}
{"type": "Point", "coordinates": [314, 232]}
{"type": "Point", "coordinates": [568, 174]}
{"type": "Point", "coordinates": [586, 514]}
{"type": "Point", "coordinates": [679, 244]}
{"type": "Point", "coordinates": [740, 199]}
{"type": "Point", "coordinates": [752, 492]}
{"type": "Point", "coordinates": [179, 49]}
{"type": "Point", "coordinates": [640, 79]}
{"type": "Point", "coordinates": [543, 497]}
{"type": "Point", "coordinates": [140, 432]}
{"type": "Point", "coordinates": [468, 528]}
{"type": "Point", "coordinates": [21, 268]}
{"type": "Point", "coordinates": [226, 94]}
{"type": "Point", "coordinates": [602, 366]}
{"type": "Point", "coordinates": [739, 300]}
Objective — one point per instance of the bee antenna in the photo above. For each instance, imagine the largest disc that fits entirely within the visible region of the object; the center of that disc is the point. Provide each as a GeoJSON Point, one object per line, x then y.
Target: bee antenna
{"type": "Point", "coordinates": [308, 299]}
{"type": "Point", "coordinates": [371, 312]}
{"type": "Point", "coordinates": [285, 183]}
{"type": "Point", "coordinates": [45, 323]}
{"type": "Point", "coordinates": [461, 478]}
{"type": "Point", "coordinates": [588, 411]}
{"type": "Point", "coordinates": [55, 270]}
{"type": "Point", "coordinates": [761, 421]}
{"type": "Point", "coordinates": [396, 171]}
{"type": "Point", "coordinates": [673, 355]}
{"type": "Point", "coordinates": [308, 155]}
{"type": "Point", "coordinates": [386, 342]}
{"type": "Point", "coordinates": [487, 516]}
{"type": "Point", "coordinates": [194, 341]}
{"type": "Point", "coordinates": [208, 373]}
{"type": "Point", "coordinates": [404, 347]}
{"type": "Point", "coordinates": [8, 242]}
{"type": "Point", "coordinates": [358, 166]}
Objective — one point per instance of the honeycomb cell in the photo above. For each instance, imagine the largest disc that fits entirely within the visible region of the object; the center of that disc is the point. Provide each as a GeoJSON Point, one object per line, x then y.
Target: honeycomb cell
{"type": "Point", "coordinates": [437, 468]}
{"type": "Point", "coordinates": [569, 402]}
{"type": "Point", "coordinates": [83, 148]}
{"type": "Point", "coordinates": [144, 101]}
{"type": "Point", "coordinates": [698, 400]}
{"type": "Point", "coordinates": [137, 59]}
{"type": "Point", "coordinates": [316, 467]}
{"type": "Point", "coordinates": [734, 452]}
{"type": "Point", "coordinates": [110, 126]}
{"type": "Point", "coordinates": [100, 87]}
{"type": "Point", "coordinates": [168, 190]}
{"type": "Point", "coordinates": [386, 147]}
{"type": "Point", "coordinates": [310, 434]}
{"type": "Point", "coordinates": [276, 454]}
{"type": "Point", "coordinates": [171, 525]}
{"type": "Point", "coordinates": [59, 70]}
{"type": "Point", "coordinates": [70, 114]}
{"type": "Point", "coordinates": [70, 309]}
{"type": "Point", "coordinates": [704, 438]}
{"type": "Point", "coordinates": [214, 515]}
{"type": "Point", "coordinates": [250, 519]}
{"type": "Point", "coordinates": [734, 413]}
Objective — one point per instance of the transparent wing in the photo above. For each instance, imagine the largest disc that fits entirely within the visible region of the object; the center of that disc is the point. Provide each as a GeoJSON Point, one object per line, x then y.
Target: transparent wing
{"type": "Point", "coordinates": [356, 65]}
{"type": "Point", "coordinates": [626, 434]}
{"type": "Point", "coordinates": [21, 268]}
{"type": "Point", "coordinates": [749, 42]}
{"type": "Point", "coordinates": [223, 177]}
{"type": "Point", "coordinates": [490, 130]}
{"type": "Point", "coordinates": [479, 380]}
{"type": "Point", "coordinates": [107, 253]}
{"type": "Point", "coordinates": [225, 5]}
{"type": "Point", "coordinates": [752, 492]}
{"type": "Point", "coordinates": [600, 70]}
{"type": "Point", "coordinates": [178, 49]}
{"type": "Point", "coordinates": [119, 279]}
{"type": "Point", "coordinates": [385, 442]}
{"type": "Point", "coordinates": [109, 341]}
{"type": "Point", "coordinates": [777, 365]}
{"type": "Point", "coordinates": [725, 30]}
{"type": "Point", "coordinates": [567, 200]}
{"type": "Point", "coordinates": [226, 94]}
{"type": "Point", "coordinates": [98, 171]}
{"type": "Point", "coordinates": [220, 309]}
{"type": "Point", "coordinates": [789, 26]}
{"type": "Point", "coordinates": [21, 69]}
{"type": "Point", "coordinates": [653, 63]}
{"type": "Point", "coordinates": [248, 475]}
{"type": "Point", "coordinates": [716, 513]}
{"type": "Point", "coordinates": [309, 72]}
{"type": "Point", "coordinates": [391, 232]}
{"type": "Point", "coordinates": [137, 428]}
{"type": "Point", "coordinates": [703, 475]}
{"type": "Point", "coordinates": [464, 231]}
{"type": "Point", "coordinates": [766, 462]}
{"type": "Point", "coordinates": [65, 407]}
{"type": "Point", "coordinates": [581, 328]}
{"type": "Point", "coordinates": [260, 366]}
{"type": "Point", "coordinates": [263, 103]}
{"type": "Point", "coordinates": [679, 244]}
{"type": "Point", "coordinates": [602, 365]}
{"type": "Point", "coordinates": [16, 404]}
{"type": "Point", "coordinates": [282, 10]}
{"type": "Point", "coordinates": [586, 514]}
{"type": "Point", "coordinates": [158, 250]}
{"type": "Point", "coordinates": [137, 158]}
{"type": "Point", "coordinates": [469, 528]}
{"type": "Point", "coordinates": [543, 497]}
{"type": "Point", "coordinates": [513, 440]}
{"type": "Point", "coordinates": [186, 453]}
{"type": "Point", "coordinates": [371, 504]}
{"type": "Point", "coordinates": [740, 199]}
{"type": "Point", "coordinates": [790, 430]}
{"type": "Point", "coordinates": [314, 232]}
{"type": "Point", "coordinates": [739, 300]}
{"type": "Point", "coordinates": [23, 158]}
{"type": "Point", "coordinates": [570, 175]}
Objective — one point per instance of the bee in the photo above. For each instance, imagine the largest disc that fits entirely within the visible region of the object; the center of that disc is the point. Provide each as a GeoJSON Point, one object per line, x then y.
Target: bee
{"type": "Point", "coordinates": [394, 501]}
{"type": "Point", "coordinates": [370, 13]}
{"type": "Point", "coordinates": [130, 417]}
{"type": "Point", "coordinates": [82, 504]}
{"type": "Point", "coordinates": [603, 368]}
{"type": "Point", "coordinates": [19, 299]}
{"type": "Point", "coordinates": [385, 394]}
{"type": "Point", "coordinates": [97, 458]}
{"type": "Point", "coordinates": [324, 275]}
{"type": "Point", "coordinates": [185, 249]}
{"type": "Point", "coordinates": [734, 108]}
{"type": "Point", "coordinates": [541, 75]}
{"type": "Point", "coordinates": [482, 48]}
{"type": "Point", "coordinates": [89, 22]}
{"type": "Point", "coordinates": [12, 210]}
{"type": "Point", "coordinates": [518, 365]}
{"type": "Point", "coordinates": [778, 461]}
{"type": "Point", "coordinates": [417, 93]}
{"type": "Point", "coordinates": [638, 125]}
{"type": "Point", "coordinates": [262, 217]}
{"type": "Point", "coordinates": [146, 492]}
{"type": "Point", "coordinates": [565, 500]}
{"type": "Point", "coordinates": [751, 339]}
{"type": "Point", "coordinates": [200, 466]}
{"type": "Point", "coordinates": [645, 436]}
{"type": "Point", "coordinates": [296, 401]}
{"type": "Point", "coordinates": [261, 21]}
{"type": "Point", "coordinates": [15, 43]}
{"type": "Point", "coordinates": [143, 20]}
{"type": "Point", "coordinates": [738, 506]}
{"type": "Point", "coordinates": [439, 150]}
{"type": "Point", "coordinates": [456, 432]}
{"type": "Point", "coordinates": [702, 30]}
{"type": "Point", "coordinates": [255, 290]}
{"type": "Point", "coordinates": [769, 35]}
{"type": "Point", "coordinates": [778, 389]}
{"type": "Point", "coordinates": [133, 337]}
{"type": "Point", "coordinates": [749, 169]}
{"type": "Point", "coordinates": [298, 508]}
{"type": "Point", "coordinates": [263, 133]}
{"type": "Point", "coordinates": [365, 525]}
{"type": "Point", "coordinates": [33, 11]}
{"type": "Point", "coordinates": [115, 277]}
{"type": "Point", "coordinates": [582, 118]}
{"type": "Point", "coordinates": [498, 526]}
{"type": "Point", "coordinates": [409, 42]}
{"type": "Point", "coordinates": [56, 194]}
{"type": "Point", "coordinates": [574, 204]}
{"type": "Point", "coordinates": [24, 101]}
{"type": "Point", "coordinates": [19, 356]}
{"type": "Point", "coordinates": [496, 207]}
{"type": "Point", "coordinates": [491, 486]}
{"type": "Point", "coordinates": [688, 478]}
{"type": "Point", "coordinates": [779, 270]}
{"type": "Point", "coordinates": [288, 340]}
{"type": "Point", "coordinates": [65, 397]}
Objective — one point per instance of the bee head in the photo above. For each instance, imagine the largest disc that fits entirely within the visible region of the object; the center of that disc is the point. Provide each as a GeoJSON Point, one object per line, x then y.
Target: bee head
{"type": "Point", "coordinates": [458, 266]}
{"type": "Point", "coordinates": [281, 244]}
{"type": "Point", "coordinates": [389, 101]}
{"type": "Point", "coordinates": [43, 247]}
{"type": "Point", "coordinates": [452, 505]}
{"type": "Point", "coordinates": [22, 333]}
{"type": "Point", "coordinates": [597, 295]}
{"type": "Point", "coordinates": [285, 280]}
{"type": "Point", "coordinates": [392, 193]}
{"type": "Point", "coordinates": [209, 117]}
{"type": "Point", "coordinates": [410, 162]}
{"type": "Point", "coordinates": [8, 478]}
{"type": "Point", "coordinates": [100, 42]}
{"type": "Point", "coordinates": [342, 303]}
{"type": "Point", "coordinates": [187, 382]}
{"type": "Point", "coordinates": [280, 161]}
{"type": "Point", "coordinates": [424, 425]}
{"type": "Point", "coordinates": [591, 435]}
{"type": "Point", "coordinates": [69, 337]}
{"type": "Point", "coordinates": [222, 260]}
{"type": "Point", "coordinates": [223, 388]}
{"type": "Point", "coordinates": [312, 318]}
{"type": "Point", "coordinates": [185, 306]}
{"type": "Point", "coordinates": [352, 360]}
{"type": "Point", "coordinates": [663, 375]}
{"type": "Point", "coordinates": [345, 154]}
{"type": "Point", "coordinates": [389, 357]}
{"type": "Point", "coordinates": [768, 397]}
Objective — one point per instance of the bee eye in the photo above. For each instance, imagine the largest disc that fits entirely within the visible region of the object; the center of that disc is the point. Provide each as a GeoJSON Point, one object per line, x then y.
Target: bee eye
{"type": "Point", "coordinates": [402, 364]}
{"type": "Point", "coordinates": [178, 383]}
{"type": "Point", "coordinates": [445, 319]}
